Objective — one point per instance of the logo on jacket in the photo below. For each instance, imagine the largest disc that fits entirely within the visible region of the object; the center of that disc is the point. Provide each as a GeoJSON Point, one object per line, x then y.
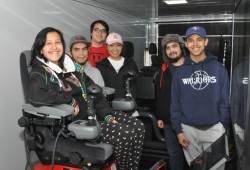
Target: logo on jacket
{"type": "Point", "coordinates": [245, 80]}
{"type": "Point", "coordinates": [199, 80]}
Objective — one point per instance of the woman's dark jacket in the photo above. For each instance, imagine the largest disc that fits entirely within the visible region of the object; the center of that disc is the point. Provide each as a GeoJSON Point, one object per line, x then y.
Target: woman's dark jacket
{"type": "Point", "coordinates": [112, 78]}
{"type": "Point", "coordinates": [51, 86]}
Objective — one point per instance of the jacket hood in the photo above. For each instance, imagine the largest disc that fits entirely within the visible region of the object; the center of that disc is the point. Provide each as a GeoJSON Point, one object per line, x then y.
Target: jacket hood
{"type": "Point", "coordinates": [67, 63]}
{"type": "Point", "coordinates": [209, 57]}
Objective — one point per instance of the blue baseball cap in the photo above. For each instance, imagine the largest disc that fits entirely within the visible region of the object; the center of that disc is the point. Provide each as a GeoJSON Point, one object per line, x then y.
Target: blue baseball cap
{"type": "Point", "coordinates": [196, 30]}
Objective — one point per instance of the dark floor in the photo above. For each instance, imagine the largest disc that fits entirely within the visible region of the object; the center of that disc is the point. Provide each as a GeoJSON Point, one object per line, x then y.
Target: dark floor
{"type": "Point", "coordinates": [147, 163]}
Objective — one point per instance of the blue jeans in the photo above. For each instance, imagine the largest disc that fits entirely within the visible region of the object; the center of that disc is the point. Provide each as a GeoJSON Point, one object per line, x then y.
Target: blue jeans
{"type": "Point", "coordinates": [176, 156]}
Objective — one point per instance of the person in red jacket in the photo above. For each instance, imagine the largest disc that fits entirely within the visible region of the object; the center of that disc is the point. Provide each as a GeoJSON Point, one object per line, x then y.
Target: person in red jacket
{"type": "Point", "coordinates": [99, 31]}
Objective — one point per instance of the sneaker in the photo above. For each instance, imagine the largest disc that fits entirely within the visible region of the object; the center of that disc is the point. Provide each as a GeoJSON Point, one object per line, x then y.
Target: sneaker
{"type": "Point", "coordinates": [113, 166]}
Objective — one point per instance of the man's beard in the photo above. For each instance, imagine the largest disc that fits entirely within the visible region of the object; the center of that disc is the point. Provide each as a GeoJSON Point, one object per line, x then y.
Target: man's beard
{"type": "Point", "coordinates": [174, 60]}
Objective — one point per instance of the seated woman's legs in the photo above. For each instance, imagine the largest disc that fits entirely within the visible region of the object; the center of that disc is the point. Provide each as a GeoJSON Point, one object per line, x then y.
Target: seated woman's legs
{"type": "Point", "coordinates": [127, 137]}
{"type": "Point", "coordinates": [139, 133]}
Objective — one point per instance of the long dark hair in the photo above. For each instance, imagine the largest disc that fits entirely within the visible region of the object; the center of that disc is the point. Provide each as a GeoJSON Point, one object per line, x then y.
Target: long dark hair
{"type": "Point", "coordinates": [40, 41]}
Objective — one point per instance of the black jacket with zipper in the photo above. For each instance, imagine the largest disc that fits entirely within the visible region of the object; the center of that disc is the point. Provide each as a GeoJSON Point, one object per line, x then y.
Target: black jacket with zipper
{"type": "Point", "coordinates": [163, 83]}
{"type": "Point", "coordinates": [45, 90]}
{"type": "Point", "coordinates": [116, 80]}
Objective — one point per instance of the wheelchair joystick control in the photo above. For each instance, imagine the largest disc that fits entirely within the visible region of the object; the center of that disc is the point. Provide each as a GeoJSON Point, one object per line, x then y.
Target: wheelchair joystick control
{"type": "Point", "coordinates": [91, 111]}
{"type": "Point", "coordinates": [88, 129]}
{"type": "Point", "coordinates": [126, 104]}
{"type": "Point", "coordinates": [128, 77]}
{"type": "Point", "coordinates": [93, 91]}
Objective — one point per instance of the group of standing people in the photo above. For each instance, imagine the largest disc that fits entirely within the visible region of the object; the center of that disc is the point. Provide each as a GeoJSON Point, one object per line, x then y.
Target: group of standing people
{"type": "Point", "coordinates": [192, 90]}
{"type": "Point", "coordinates": [193, 99]}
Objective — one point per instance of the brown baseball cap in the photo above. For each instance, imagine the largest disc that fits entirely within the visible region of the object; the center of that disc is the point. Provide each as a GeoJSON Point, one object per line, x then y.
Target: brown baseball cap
{"type": "Point", "coordinates": [78, 39]}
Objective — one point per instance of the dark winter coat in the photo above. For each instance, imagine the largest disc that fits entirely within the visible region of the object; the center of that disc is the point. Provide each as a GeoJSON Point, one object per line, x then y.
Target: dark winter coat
{"type": "Point", "coordinates": [163, 82]}
{"type": "Point", "coordinates": [51, 86]}
{"type": "Point", "coordinates": [112, 78]}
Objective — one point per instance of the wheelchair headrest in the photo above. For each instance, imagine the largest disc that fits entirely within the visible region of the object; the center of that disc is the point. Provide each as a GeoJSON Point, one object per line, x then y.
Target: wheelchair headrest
{"type": "Point", "coordinates": [152, 48]}
{"type": "Point", "coordinates": [156, 60]}
{"type": "Point", "coordinates": [128, 49]}
{"type": "Point", "coordinates": [25, 69]}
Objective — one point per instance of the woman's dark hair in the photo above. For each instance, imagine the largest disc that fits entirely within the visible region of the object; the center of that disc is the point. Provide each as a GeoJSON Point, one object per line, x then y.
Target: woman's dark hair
{"type": "Point", "coordinates": [103, 23]}
{"type": "Point", "coordinates": [40, 41]}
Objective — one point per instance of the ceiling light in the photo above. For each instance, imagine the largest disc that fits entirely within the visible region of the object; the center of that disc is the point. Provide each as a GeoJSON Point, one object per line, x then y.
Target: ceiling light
{"type": "Point", "coordinates": [172, 2]}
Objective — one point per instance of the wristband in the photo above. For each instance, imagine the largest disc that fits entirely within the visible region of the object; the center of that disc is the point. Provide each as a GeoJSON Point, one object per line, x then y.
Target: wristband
{"type": "Point", "coordinates": [73, 103]}
{"type": "Point", "coordinates": [109, 118]}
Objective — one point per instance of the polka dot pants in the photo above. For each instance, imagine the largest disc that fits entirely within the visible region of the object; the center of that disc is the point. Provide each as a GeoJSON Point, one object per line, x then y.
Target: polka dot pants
{"type": "Point", "coordinates": [127, 137]}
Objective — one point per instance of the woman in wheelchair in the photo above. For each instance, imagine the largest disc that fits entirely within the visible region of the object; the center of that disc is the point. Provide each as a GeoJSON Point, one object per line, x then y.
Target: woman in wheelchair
{"type": "Point", "coordinates": [53, 81]}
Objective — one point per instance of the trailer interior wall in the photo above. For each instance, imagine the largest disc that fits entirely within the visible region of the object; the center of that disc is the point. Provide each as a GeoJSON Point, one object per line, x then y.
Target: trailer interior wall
{"type": "Point", "coordinates": [20, 22]}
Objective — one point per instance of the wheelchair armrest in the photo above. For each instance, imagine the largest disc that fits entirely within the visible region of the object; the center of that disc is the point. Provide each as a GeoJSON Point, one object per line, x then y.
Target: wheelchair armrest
{"type": "Point", "coordinates": [107, 91]}
{"type": "Point", "coordinates": [126, 104]}
{"type": "Point", "coordinates": [55, 112]}
{"type": "Point", "coordinates": [154, 123]}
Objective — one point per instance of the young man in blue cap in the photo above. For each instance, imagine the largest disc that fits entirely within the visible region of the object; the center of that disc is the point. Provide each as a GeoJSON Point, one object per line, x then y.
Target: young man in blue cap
{"type": "Point", "coordinates": [200, 95]}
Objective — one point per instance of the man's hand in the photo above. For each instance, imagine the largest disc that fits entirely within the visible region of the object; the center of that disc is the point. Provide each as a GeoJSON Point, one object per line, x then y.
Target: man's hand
{"type": "Point", "coordinates": [183, 141]}
{"type": "Point", "coordinates": [160, 124]}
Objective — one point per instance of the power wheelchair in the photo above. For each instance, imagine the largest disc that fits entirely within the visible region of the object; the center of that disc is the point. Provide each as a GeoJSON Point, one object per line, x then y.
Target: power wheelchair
{"type": "Point", "coordinates": [71, 145]}
{"type": "Point", "coordinates": [77, 149]}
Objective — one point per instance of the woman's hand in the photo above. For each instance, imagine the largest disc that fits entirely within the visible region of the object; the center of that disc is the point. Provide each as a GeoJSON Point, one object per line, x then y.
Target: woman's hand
{"type": "Point", "coordinates": [114, 121]}
{"type": "Point", "coordinates": [76, 110]}
{"type": "Point", "coordinates": [110, 119]}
